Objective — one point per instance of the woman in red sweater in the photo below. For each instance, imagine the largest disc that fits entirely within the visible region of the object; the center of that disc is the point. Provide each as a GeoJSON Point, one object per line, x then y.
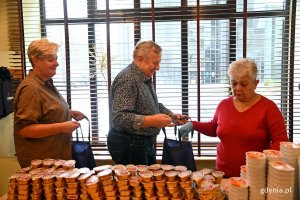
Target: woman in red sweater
{"type": "Point", "coordinates": [244, 122]}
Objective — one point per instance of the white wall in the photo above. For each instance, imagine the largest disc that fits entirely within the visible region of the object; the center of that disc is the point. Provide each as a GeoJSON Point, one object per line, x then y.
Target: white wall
{"type": "Point", "coordinates": [8, 162]}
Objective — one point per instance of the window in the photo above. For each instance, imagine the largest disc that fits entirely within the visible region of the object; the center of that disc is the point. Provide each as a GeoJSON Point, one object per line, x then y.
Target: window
{"type": "Point", "coordinates": [199, 40]}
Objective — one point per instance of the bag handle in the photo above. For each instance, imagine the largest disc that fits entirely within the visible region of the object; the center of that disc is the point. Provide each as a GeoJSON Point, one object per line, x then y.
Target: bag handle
{"type": "Point", "coordinates": [89, 135]}
{"type": "Point", "coordinates": [77, 133]}
{"type": "Point", "coordinates": [164, 130]}
{"type": "Point", "coordinates": [175, 132]}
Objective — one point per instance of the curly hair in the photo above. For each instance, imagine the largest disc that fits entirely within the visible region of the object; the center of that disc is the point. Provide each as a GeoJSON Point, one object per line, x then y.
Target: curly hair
{"type": "Point", "coordinates": [241, 67]}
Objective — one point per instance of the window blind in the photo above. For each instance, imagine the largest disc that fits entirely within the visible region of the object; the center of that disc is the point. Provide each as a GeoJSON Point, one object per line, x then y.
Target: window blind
{"type": "Point", "coordinates": [199, 38]}
{"type": "Point", "coordinates": [15, 46]}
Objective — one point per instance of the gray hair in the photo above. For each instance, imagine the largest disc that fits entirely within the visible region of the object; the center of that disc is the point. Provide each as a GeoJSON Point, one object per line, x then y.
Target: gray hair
{"type": "Point", "coordinates": [143, 48]}
{"type": "Point", "coordinates": [41, 48]}
{"type": "Point", "coordinates": [242, 67]}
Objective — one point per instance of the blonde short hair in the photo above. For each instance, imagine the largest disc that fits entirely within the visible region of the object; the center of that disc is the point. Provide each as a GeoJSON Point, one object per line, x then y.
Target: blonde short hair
{"type": "Point", "coordinates": [41, 48]}
{"type": "Point", "coordinates": [242, 67]}
{"type": "Point", "coordinates": [143, 48]}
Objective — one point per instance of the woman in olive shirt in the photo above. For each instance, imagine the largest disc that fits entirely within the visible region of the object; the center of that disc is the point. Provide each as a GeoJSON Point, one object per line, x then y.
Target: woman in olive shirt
{"type": "Point", "coordinates": [42, 121]}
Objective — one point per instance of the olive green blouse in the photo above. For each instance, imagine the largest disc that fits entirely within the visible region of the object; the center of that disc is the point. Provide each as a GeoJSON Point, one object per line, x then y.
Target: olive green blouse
{"type": "Point", "coordinates": [37, 101]}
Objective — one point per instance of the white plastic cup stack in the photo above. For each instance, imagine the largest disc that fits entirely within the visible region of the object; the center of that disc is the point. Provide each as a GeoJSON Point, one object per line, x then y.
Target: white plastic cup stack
{"type": "Point", "coordinates": [280, 181]}
{"type": "Point", "coordinates": [238, 188]}
{"type": "Point", "coordinates": [273, 155]}
{"type": "Point", "coordinates": [243, 172]}
{"type": "Point", "coordinates": [256, 174]}
{"type": "Point", "coordinates": [290, 152]}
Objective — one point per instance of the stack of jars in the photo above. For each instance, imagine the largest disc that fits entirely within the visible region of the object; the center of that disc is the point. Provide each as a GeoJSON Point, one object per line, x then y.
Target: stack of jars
{"type": "Point", "coordinates": [207, 184]}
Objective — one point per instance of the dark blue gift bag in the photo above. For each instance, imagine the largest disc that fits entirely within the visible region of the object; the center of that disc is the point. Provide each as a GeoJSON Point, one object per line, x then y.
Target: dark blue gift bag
{"type": "Point", "coordinates": [178, 152]}
{"type": "Point", "coordinates": [82, 151]}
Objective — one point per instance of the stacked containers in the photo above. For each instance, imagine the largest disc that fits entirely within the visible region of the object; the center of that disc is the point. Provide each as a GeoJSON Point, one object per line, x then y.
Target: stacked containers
{"type": "Point", "coordinates": [208, 184]}
{"type": "Point", "coordinates": [49, 186]}
{"type": "Point", "coordinates": [156, 176]}
{"type": "Point", "coordinates": [36, 186]}
{"type": "Point", "coordinates": [60, 185]}
{"type": "Point", "coordinates": [101, 168]}
{"type": "Point", "coordinates": [94, 189]}
{"type": "Point", "coordinates": [182, 177]}
{"type": "Point", "coordinates": [280, 181]}
{"type": "Point", "coordinates": [132, 169]}
{"type": "Point", "coordinates": [243, 172]}
{"type": "Point", "coordinates": [197, 178]}
{"type": "Point", "coordinates": [82, 185]}
{"type": "Point", "coordinates": [256, 174]}
{"type": "Point", "coordinates": [58, 164]}
{"type": "Point", "coordinates": [166, 167]}
{"type": "Point", "coordinates": [72, 185]}
{"type": "Point", "coordinates": [121, 178]}
{"type": "Point", "coordinates": [136, 187]}
{"type": "Point", "coordinates": [107, 183]}
{"type": "Point", "coordinates": [186, 185]}
{"type": "Point", "coordinates": [290, 153]}
{"type": "Point", "coordinates": [59, 174]}
{"type": "Point", "coordinates": [160, 184]}
{"type": "Point", "coordinates": [238, 188]}
{"type": "Point", "coordinates": [23, 186]}
{"type": "Point", "coordinates": [218, 192]}
{"type": "Point", "coordinates": [206, 171]}
{"type": "Point", "coordinates": [12, 188]}
{"type": "Point", "coordinates": [206, 191]}
{"type": "Point", "coordinates": [218, 175]}
{"type": "Point", "coordinates": [135, 182]}
{"type": "Point", "coordinates": [154, 167]}
{"type": "Point", "coordinates": [148, 184]}
{"type": "Point", "coordinates": [48, 163]}
{"type": "Point", "coordinates": [273, 155]}
{"type": "Point", "coordinates": [172, 184]}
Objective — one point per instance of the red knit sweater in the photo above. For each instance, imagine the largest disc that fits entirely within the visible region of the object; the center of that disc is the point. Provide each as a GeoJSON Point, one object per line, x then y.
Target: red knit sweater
{"type": "Point", "coordinates": [258, 128]}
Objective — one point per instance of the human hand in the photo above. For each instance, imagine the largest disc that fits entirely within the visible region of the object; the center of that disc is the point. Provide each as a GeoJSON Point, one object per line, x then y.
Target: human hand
{"type": "Point", "coordinates": [77, 115]}
{"type": "Point", "coordinates": [180, 119]}
{"type": "Point", "coordinates": [185, 129]}
{"type": "Point", "coordinates": [161, 120]}
{"type": "Point", "coordinates": [70, 126]}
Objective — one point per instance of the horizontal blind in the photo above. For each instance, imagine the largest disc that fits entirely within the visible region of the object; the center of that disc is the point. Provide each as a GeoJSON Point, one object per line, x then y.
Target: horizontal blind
{"type": "Point", "coordinates": [296, 77]}
{"type": "Point", "coordinates": [15, 45]}
{"type": "Point", "coordinates": [199, 40]}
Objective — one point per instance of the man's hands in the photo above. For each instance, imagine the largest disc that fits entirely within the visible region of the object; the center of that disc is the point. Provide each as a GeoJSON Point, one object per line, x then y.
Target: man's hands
{"type": "Point", "coordinates": [162, 120]}
{"type": "Point", "coordinates": [158, 121]}
{"type": "Point", "coordinates": [179, 118]}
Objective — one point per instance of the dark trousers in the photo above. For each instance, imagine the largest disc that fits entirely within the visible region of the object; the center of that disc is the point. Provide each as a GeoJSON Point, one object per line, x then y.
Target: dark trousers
{"type": "Point", "coordinates": [131, 149]}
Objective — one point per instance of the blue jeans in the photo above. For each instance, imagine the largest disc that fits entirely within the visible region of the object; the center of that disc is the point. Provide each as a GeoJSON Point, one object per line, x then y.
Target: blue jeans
{"type": "Point", "coordinates": [131, 149]}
